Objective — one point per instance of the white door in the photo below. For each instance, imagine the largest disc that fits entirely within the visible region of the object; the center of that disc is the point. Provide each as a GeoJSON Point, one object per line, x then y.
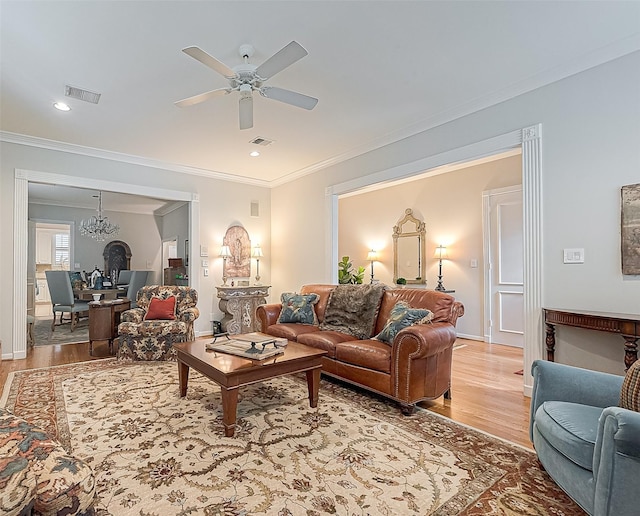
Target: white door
{"type": "Point", "coordinates": [504, 261]}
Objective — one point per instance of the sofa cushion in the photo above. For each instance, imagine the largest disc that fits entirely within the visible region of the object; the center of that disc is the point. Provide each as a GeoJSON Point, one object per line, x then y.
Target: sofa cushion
{"type": "Point", "coordinates": [370, 354]}
{"type": "Point", "coordinates": [630, 392]}
{"type": "Point", "coordinates": [352, 309]}
{"type": "Point", "coordinates": [298, 308]}
{"type": "Point", "coordinates": [290, 331]}
{"type": "Point", "coordinates": [401, 316]}
{"type": "Point", "coordinates": [571, 428]}
{"type": "Point", "coordinates": [326, 340]}
{"type": "Point", "coordinates": [153, 328]}
{"type": "Point", "coordinates": [164, 309]}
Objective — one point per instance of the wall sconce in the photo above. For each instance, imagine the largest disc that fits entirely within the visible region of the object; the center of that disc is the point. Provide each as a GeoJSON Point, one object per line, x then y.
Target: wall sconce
{"type": "Point", "coordinates": [256, 253]}
{"type": "Point", "coordinates": [441, 252]}
{"type": "Point", "coordinates": [225, 253]}
{"type": "Point", "coordinates": [372, 256]}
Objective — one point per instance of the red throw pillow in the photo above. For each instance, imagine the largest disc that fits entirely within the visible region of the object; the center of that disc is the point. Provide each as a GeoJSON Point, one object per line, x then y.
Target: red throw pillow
{"type": "Point", "coordinates": [161, 308]}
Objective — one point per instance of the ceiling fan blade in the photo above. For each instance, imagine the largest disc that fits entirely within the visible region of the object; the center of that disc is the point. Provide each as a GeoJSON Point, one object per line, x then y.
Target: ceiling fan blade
{"type": "Point", "coordinates": [246, 112]}
{"type": "Point", "coordinates": [281, 59]}
{"type": "Point", "coordinates": [210, 61]}
{"type": "Point", "coordinates": [289, 97]}
{"type": "Point", "coordinates": [196, 99]}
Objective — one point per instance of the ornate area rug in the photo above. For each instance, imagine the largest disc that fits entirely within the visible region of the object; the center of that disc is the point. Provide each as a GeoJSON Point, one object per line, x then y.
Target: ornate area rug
{"type": "Point", "coordinates": [43, 336]}
{"type": "Point", "coordinates": [157, 454]}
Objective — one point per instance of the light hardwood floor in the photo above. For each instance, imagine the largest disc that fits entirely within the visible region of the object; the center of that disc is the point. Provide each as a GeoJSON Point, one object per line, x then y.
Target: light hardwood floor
{"type": "Point", "coordinates": [486, 392]}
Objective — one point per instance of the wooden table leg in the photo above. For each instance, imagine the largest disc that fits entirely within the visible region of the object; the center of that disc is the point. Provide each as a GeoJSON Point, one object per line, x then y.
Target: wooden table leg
{"type": "Point", "coordinates": [630, 350]}
{"type": "Point", "coordinates": [550, 341]}
{"type": "Point", "coordinates": [229, 410]}
{"type": "Point", "coordinates": [183, 378]}
{"type": "Point", "coordinates": [313, 384]}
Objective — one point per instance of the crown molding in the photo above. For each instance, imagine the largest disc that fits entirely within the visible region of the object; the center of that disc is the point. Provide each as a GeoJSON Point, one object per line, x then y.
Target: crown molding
{"type": "Point", "coordinates": [43, 143]}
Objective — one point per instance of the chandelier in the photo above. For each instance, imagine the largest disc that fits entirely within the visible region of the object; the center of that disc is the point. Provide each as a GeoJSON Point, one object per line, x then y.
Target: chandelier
{"type": "Point", "coordinates": [98, 227]}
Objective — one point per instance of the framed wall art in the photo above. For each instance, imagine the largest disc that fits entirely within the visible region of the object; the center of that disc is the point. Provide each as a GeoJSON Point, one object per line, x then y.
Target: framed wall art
{"type": "Point", "coordinates": [630, 235]}
{"type": "Point", "coordinates": [239, 264]}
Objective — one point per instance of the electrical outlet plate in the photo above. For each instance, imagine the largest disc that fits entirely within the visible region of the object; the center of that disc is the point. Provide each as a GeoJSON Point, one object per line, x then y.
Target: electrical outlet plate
{"type": "Point", "coordinates": [573, 255]}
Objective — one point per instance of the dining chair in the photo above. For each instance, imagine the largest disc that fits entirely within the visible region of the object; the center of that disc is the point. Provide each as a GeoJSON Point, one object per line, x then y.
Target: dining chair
{"type": "Point", "coordinates": [136, 282]}
{"type": "Point", "coordinates": [62, 298]}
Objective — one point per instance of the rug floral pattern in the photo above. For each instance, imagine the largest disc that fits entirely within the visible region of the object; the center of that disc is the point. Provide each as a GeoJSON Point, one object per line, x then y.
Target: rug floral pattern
{"type": "Point", "coordinates": [157, 454]}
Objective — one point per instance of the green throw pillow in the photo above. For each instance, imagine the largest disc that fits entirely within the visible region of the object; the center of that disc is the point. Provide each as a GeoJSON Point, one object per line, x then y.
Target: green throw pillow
{"type": "Point", "coordinates": [630, 392]}
{"type": "Point", "coordinates": [401, 316]}
{"type": "Point", "coordinates": [298, 308]}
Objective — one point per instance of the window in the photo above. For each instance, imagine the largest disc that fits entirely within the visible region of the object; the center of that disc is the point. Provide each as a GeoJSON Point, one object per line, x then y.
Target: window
{"type": "Point", "coordinates": [62, 250]}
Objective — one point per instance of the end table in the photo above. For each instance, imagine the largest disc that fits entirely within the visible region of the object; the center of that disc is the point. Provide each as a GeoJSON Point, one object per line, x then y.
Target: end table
{"type": "Point", "coordinates": [104, 317]}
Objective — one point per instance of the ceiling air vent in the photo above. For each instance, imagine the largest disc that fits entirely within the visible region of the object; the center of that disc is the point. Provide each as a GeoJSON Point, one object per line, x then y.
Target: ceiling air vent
{"type": "Point", "coordinates": [80, 94]}
{"type": "Point", "coordinates": [261, 141]}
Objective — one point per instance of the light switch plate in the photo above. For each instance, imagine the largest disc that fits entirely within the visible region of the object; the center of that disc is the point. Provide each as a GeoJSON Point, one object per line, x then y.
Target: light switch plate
{"type": "Point", "coordinates": [205, 272]}
{"type": "Point", "coordinates": [205, 263]}
{"type": "Point", "coordinates": [204, 250]}
{"type": "Point", "coordinates": [573, 255]}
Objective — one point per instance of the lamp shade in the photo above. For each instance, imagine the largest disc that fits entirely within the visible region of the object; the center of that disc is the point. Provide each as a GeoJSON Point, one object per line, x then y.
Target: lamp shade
{"type": "Point", "coordinates": [373, 255]}
{"type": "Point", "coordinates": [225, 252]}
{"type": "Point", "coordinates": [441, 252]}
{"type": "Point", "coordinates": [256, 252]}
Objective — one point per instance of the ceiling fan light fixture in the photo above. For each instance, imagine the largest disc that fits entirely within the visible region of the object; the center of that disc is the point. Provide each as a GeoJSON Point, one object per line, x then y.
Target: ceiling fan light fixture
{"type": "Point", "coordinates": [246, 78]}
{"type": "Point", "coordinates": [245, 90]}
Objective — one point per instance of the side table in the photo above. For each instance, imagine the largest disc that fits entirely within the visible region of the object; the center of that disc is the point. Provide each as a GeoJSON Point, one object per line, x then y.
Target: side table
{"type": "Point", "coordinates": [239, 305]}
{"type": "Point", "coordinates": [104, 317]}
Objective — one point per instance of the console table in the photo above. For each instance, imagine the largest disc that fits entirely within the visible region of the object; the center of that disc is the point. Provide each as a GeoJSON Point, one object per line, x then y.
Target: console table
{"type": "Point", "coordinates": [104, 317]}
{"type": "Point", "coordinates": [239, 305]}
{"type": "Point", "coordinates": [627, 325]}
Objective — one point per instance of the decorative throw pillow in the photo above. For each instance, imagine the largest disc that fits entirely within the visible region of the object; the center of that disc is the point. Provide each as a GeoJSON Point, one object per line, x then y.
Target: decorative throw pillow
{"type": "Point", "coordinates": [161, 309]}
{"type": "Point", "coordinates": [401, 316]}
{"type": "Point", "coordinates": [630, 392]}
{"type": "Point", "coordinates": [352, 309]}
{"type": "Point", "coordinates": [298, 308]}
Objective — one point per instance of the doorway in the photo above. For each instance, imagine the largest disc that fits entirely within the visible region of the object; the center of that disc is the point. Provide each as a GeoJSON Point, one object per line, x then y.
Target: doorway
{"type": "Point", "coordinates": [18, 347]}
{"type": "Point", "coordinates": [53, 251]}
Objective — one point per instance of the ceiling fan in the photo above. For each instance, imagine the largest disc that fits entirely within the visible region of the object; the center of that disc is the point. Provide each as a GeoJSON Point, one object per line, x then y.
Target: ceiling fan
{"type": "Point", "coordinates": [246, 78]}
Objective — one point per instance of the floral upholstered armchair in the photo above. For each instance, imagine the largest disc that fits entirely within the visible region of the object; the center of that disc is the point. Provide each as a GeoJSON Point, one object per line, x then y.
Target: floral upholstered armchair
{"type": "Point", "coordinates": [164, 315]}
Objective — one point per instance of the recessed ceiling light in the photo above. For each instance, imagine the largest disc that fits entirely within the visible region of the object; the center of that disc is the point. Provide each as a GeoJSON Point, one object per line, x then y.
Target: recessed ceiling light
{"type": "Point", "coordinates": [254, 154]}
{"type": "Point", "coordinates": [61, 106]}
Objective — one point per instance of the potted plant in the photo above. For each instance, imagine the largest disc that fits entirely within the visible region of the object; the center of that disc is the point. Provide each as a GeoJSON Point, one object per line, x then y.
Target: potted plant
{"type": "Point", "coordinates": [347, 275]}
{"type": "Point", "coordinates": [401, 282]}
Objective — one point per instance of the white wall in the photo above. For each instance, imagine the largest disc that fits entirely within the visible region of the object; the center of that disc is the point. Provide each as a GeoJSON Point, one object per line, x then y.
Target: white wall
{"type": "Point", "coordinates": [220, 204]}
{"type": "Point", "coordinates": [140, 232]}
{"type": "Point", "coordinates": [451, 206]}
{"type": "Point", "coordinates": [590, 134]}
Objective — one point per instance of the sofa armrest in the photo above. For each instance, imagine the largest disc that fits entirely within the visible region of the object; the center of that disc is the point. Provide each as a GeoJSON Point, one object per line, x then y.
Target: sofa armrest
{"type": "Point", "coordinates": [189, 314]}
{"type": "Point", "coordinates": [134, 315]}
{"type": "Point", "coordinates": [616, 461]}
{"type": "Point", "coordinates": [423, 340]}
{"type": "Point", "coordinates": [560, 382]}
{"type": "Point", "coordinates": [268, 314]}
{"type": "Point", "coordinates": [457, 310]}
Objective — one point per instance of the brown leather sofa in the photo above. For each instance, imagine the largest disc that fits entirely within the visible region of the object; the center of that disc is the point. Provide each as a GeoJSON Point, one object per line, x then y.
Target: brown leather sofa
{"type": "Point", "coordinates": [416, 367]}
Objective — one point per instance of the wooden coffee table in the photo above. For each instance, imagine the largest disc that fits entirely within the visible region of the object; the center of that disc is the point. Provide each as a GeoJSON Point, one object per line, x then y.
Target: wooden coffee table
{"type": "Point", "coordinates": [231, 372]}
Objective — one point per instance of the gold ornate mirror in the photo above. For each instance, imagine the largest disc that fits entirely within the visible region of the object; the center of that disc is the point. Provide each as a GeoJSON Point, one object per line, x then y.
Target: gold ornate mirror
{"type": "Point", "coordinates": [409, 249]}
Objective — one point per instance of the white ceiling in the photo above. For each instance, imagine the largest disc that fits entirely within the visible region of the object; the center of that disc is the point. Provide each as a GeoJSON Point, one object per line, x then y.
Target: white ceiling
{"type": "Point", "coordinates": [381, 71]}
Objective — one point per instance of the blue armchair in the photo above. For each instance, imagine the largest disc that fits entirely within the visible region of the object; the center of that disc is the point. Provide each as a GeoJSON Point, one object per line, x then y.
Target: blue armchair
{"type": "Point", "coordinates": [585, 442]}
